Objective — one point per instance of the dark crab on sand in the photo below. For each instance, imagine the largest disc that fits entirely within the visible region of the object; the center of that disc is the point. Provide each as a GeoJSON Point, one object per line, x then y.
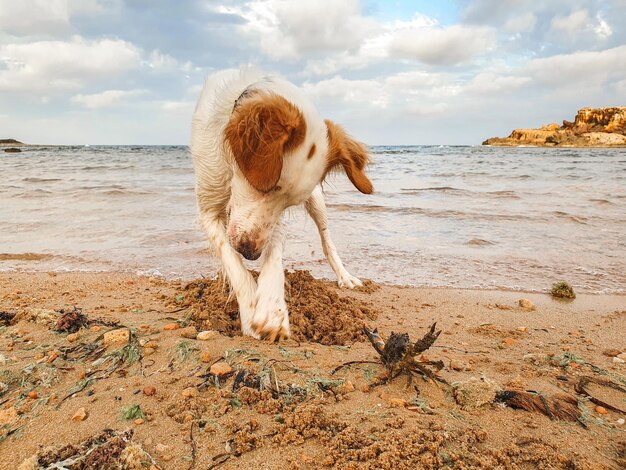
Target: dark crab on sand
{"type": "Point", "coordinates": [398, 354]}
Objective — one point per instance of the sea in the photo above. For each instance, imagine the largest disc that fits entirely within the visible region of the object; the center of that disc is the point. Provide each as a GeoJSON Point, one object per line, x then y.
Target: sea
{"type": "Point", "coordinates": [468, 217]}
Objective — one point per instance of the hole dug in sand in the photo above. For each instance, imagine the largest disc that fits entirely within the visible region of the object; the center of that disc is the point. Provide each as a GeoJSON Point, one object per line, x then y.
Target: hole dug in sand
{"type": "Point", "coordinates": [317, 312]}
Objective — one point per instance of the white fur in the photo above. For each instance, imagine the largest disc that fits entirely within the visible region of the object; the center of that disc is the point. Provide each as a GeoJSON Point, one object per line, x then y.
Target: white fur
{"type": "Point", "coordinates": [229, 208]}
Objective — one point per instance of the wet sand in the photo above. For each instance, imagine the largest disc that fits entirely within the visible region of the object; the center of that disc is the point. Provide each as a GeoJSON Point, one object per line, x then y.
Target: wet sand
{"type": "Point", "coordinates": [301, 415]}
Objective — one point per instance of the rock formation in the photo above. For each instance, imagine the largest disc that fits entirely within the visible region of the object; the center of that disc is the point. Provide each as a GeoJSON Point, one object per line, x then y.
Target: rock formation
{"type": "Point", "coordinates": [593, 127]}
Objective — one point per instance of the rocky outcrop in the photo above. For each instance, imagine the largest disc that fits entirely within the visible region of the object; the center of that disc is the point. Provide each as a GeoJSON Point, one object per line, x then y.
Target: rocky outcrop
{"type": "Point", "coordinates": [10, 142]}
{"type": "Point", "coordinates": [593, 127]}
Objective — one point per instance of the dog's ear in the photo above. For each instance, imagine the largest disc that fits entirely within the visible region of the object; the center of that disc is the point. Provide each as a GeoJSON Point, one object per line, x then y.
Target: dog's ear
{"type": "Point", "coordinates": [261, 130]}
{"type": "Point", "coordinates": [350, 154]}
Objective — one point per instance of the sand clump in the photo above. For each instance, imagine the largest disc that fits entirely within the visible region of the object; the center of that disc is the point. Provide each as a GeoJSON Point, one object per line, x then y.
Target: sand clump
{"type": "Point", "coordinates": [317, 312]}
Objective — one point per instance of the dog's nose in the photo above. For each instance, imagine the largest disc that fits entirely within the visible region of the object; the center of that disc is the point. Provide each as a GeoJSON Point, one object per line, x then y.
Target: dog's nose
{"type": "Point", "coordinates": [248, 249]}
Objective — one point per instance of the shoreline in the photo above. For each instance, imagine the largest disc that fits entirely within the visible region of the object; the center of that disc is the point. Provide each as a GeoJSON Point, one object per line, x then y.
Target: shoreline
{"type": "Point", "coordinates": [485, 334]}
{"type": "Point", "coordinates": [155, 273]}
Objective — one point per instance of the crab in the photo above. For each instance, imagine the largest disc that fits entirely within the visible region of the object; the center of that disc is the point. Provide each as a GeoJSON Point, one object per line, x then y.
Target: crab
{"type": "Point", "coordinates": [398, 354]}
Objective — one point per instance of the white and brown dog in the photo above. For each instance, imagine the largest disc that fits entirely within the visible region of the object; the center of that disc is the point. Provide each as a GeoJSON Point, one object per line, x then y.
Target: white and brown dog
{"type": "Point", "coordinates": [259, 146]}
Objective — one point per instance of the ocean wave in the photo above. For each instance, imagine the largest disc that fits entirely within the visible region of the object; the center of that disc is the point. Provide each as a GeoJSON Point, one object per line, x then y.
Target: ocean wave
{"type": "Point", "coordinates": [40, 180]}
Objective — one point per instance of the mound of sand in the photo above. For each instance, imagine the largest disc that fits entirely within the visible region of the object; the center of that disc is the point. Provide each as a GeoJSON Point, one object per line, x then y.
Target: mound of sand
{"type": "Point", "coordinates": [316, 311]}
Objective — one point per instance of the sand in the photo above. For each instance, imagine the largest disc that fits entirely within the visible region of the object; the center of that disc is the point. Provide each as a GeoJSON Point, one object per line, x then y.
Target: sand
{"type": "Point", "coordinates": [280, 406]}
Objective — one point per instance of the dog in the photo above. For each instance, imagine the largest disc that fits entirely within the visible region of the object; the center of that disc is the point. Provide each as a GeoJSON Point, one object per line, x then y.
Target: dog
{"type": "Point", "coordinates": [259, 146]}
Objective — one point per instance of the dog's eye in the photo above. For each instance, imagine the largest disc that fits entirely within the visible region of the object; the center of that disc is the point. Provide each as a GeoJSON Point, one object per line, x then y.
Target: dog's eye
{"type": "Point", "coordinates": [276, 188]}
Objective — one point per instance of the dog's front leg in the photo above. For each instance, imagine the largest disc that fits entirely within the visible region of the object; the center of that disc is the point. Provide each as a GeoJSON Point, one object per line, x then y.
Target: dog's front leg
{"type": "Point", "coordinates": [316, 207]}
{"type": "Point", "coordinates": [241, 281]}
{"type": "Point", "coordinates": [271, 320]}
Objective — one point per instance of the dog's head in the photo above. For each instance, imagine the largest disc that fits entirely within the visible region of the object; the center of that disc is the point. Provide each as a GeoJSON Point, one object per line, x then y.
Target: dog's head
{"type": "Point", "coordinates": [280, 153]}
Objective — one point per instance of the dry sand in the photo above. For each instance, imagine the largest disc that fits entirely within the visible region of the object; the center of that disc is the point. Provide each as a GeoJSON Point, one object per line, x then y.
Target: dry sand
{"type": "Point", "coordinates": [287, 410]}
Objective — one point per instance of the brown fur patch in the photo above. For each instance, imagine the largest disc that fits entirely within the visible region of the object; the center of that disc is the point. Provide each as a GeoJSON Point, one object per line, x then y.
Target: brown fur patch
{"type": "Point", "coordinates": [311, 152]}
{"type": "Point", "coordinates": [261, 130]}
{"type": "Point", "coordinates": [350, 154]}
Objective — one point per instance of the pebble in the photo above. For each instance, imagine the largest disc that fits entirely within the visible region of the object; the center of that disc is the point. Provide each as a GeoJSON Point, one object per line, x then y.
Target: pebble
{"type": "Point", "coordinates": [509, 341]}
{"type": "Point", "coordinates": [475, 392]}
{"type": "Point", "coordinates": [80, 415]}
{"type": "Point", "coordinates": [148, 351]}
{"type": "Point", "coordinates": [346, 387]}
{"type": "Point", "coordinates": [52, 358]}
{"type": "Point", "coordinates": [190, 392]}
{"type": "Point", "coordinates": [190, 332]}
{"type": "Point", "coordinates": [207, 335]}
{"type": "Point", "coordinates": [119, 336]}
{"type": "Point", "coordinates": [171, 327]}
{"type": "Point", "coordinates": [149, 390]}
{"type": "Point", "coordinates": [458, 365]}
{"type": "Point", "coordinates": [32, 394]}
{"type": "Point", "coordinates": [95, 328]}
{"type": "Point", "coordinates": [523, 329]}
{"type": "Point", "coordinates": [601, 410]}
{"type": "Point", "coordinates": [621, 356]}
{"type": "Point", "coordinates": [526, 304]}
{"type": "Point", "coordinates": [620, 422]}
{"type": "Point", "coordinates": [611, 352]}
{"type": "Point", "coordinates": [160, 448]}
{"type": "Point", "coordinates": [72, 337]}
{"type": "Point", "coordinates": [221, 368]}
{"type": "Point", "coordinates": [139, 421]}
{"type": "Point", "coordinates": [618, 360]}
{"type": "Point", "coordinates": [206, 356]}
{"type": "Point", "coordinates": [151, 344]}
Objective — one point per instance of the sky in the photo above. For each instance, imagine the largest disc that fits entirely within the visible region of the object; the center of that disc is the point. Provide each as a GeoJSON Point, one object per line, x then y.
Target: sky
{"type": "Point", "coordinates": [392, 72]}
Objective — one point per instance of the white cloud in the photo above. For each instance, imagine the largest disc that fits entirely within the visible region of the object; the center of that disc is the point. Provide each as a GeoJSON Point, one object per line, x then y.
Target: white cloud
{"type": "Point", "coordinates": [48, 17]}
{"type": "Point", "coordinates": [54, 65]}
{"type": "Point", "coordinates": [177, 106]}
{"type": "Point", "coordinates": [25, 17]}
{"type": "Point", "coordinates": [287, 30]}
{"type": "Point", "coordinates": [437, 45]}
{"type": "Point", "coordinates": [521, 23]}
{"type": "Point", "coordinates": [588, 67]}
{"type": "Point", "coordinates": [493, 83]}
{"type": "Point", "coordinates": [106, 98]}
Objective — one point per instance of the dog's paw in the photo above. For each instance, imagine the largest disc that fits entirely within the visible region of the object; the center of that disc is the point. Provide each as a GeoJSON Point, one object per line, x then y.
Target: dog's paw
{"type": "Point", "coordinates": [345, 279]}
{"type": "Point", "coordinates": [271, 321]}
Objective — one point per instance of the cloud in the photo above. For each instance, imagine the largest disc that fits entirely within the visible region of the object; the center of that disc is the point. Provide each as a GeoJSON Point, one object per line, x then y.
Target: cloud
{"type": "Point", "coordinates": [58, 65]}
{"type": "Point", "coordinates": [25, 17]}
{"type": "Point", "coordinates": [106, 98]}
{"type": "Point", "coordinates": [287, 30]}
{"type": "Point", "coordinates": [437, 45]}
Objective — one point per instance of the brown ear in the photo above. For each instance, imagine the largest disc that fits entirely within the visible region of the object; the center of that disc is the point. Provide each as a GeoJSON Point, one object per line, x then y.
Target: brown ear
{"type": "Point", "coordinates": [352, 155]}
{"type": "Point", "coordinates": [261, 129]}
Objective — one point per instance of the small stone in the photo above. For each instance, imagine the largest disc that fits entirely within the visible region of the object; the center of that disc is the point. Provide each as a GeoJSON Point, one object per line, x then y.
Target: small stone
{"type": "Point", "coordinates": [80, 415]}
{"type": "Point", "coordinates": [207, 335]}
{"type": "Point", "coordinates": [611, 352]}
{"type": "Point", "coordinates": [509, 341]}
{"type": "Point", "coordinates": [139, 421]}
{"type": "Point", "coordinates": [344, 388]}
{"type": "Point", "coordinates": [601, 410]}
{"type": "Point", "coordinates": [190, 332]}
{"type": "Point", "coordinates": [190, 392]}
{"type": "Point", "coordinates": [221, 369]}
{"type": "Point", "coordinates": [458, 365]}
{"type": "Point", "coordinates": [618, 360]}
{"type": "Point", "coordinates": [161, 448]}
{"type": "Point", "coordinates": [148, 351]}
{"type": "Point", "coordinates": [32, 394]}
{"type": "Point", "coordinates": [526, 304]}
{"type": "Point", "coordinates": [620, 422]}
{"type": "Point", "coordinates": [52, 357]}
{"type": "Point", "coordinates": [95, 328]}
{"type": "Point", "coordinates": [474, 393]}
{"type": "Point", "coordinates": [397, 402]}
{"type": "Point", "coordinates": [171, 327]}
{"type": "Point", "coordinates": [621, 356]}
{"type": "Point", "coordinates": [73, 337]}
{"type": "Point", "coordinates": [522, 329]}
{"type": "Point", "coordinates": [149, 390]}
{"type": "Point", "coordinates": [206, 356]}
{"type": "Point", "coordinates": [119, 336]}
{"type": "Point", "coordinates": [151, 344]}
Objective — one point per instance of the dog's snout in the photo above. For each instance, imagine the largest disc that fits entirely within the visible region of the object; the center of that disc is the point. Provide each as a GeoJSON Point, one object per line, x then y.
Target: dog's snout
{"type": "Point", "coordinates": [248, 249]}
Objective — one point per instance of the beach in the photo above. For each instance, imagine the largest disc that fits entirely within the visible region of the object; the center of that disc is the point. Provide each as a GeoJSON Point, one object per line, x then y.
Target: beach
{"type": "Point", "coordinates": [303, 415]}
